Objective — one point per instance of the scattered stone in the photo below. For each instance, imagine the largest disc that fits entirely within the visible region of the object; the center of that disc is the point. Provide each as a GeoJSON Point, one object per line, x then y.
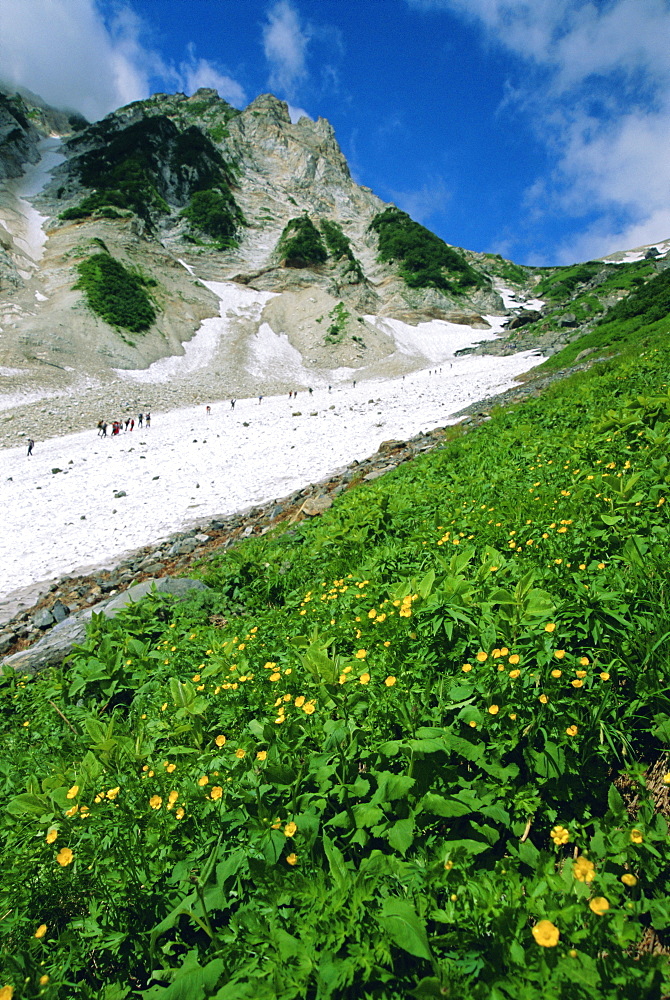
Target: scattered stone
{"type": "Point", "coordinates": [60, 611]}
{"type": "Point", "coordinates": [298, 413]}
{"type": "Point", "coordinates": [43, 619]}
{"type": "Point", "coordinates": [54, 471]}
{"type": "Point", "coordinates": [121, 493]}
{"type": "Point", "coordinates": [183, 547]}
{"type": "Point", "coordinates": [315, 506]}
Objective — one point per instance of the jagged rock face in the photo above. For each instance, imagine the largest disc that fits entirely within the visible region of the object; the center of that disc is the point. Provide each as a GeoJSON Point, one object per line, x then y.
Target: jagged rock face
{"type": "Point", "coordinates": [18, 138]}
{"type": "Point", "coordinates": [164, 182]}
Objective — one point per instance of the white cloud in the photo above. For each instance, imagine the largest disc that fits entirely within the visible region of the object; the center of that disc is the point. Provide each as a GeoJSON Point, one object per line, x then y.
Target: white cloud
{"type": "Point", "coordinates": [285, 45]}
{"type": "Point", "coordinates": [195, 73]}
{"type": "Point", "coordinates": [296, 114]}
{"type": "Point", "coordinates": [425, 201]}
{"type": "Point", "coordinates": [596, 88]}
{"type": "Point", "coordinates": [67, 53]}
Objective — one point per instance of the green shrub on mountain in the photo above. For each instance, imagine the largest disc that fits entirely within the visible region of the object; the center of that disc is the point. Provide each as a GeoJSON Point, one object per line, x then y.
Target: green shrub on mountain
{"type": "Point", "coordinates": [424, 260]}
{"type": "Point", "coordinates": [116, 294]}
{"type": "Point", "coordinates": [339, 248]}
{"type": "Point", "coordinates": [300, 244]}
{"type": "Point", "coordinates": [215, 213]}
{"type": "Point", "coordinates": [649, 303]}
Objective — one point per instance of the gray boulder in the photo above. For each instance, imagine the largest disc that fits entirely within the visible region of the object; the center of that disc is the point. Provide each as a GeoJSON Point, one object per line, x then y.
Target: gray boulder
{"type": "Point", "coordinates": [55, 646]}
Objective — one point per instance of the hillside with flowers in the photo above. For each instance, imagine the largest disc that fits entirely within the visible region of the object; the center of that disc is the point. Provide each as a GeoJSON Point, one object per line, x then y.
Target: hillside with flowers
{"type": "Point", "coordinates": [417, 747]}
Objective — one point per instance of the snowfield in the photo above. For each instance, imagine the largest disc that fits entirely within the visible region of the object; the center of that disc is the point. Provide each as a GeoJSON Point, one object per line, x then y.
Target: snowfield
{"type": "Point", "coordinates": [190, 467]}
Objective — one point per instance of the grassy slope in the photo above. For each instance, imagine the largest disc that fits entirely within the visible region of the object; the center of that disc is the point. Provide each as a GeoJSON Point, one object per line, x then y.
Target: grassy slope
{"type": "Point", "coordinates": [415, 691]}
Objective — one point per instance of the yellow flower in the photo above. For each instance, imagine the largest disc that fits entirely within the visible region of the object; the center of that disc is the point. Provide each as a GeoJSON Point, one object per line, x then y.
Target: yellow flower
{"type": "Point", "coordinates": [472, 724]}
{"type": "Point", "coordinates": [372, 613]}
{"type": "Point", "coordinates": [41, 931]}
{"type": "Point", "coordinates": [203, 781]}
{"type": "Point", "coordinates": [240, 754]}
{"type": "Point", "coordinates": [72, 792]}
{"type": "Point", "coordinates": [361, 654]}
{"type": "Point", "coordinates": [629, 879]}
{"type": "Point", "coordinates": [514, 674]}
{"type": "Point", "coordinates": [155, 802]}
{"type": "Point", "coordinates": [275, 676]}
{"type": "Point", "coordinates": [466, 668]}
{"type": "Point", "coordinates": [512, 716]}
{"type": "Point", "coordinates": [550, 627]}
{"type": "Point", "coordinates": [572, 730]}
{"type": "Point", "coordinates": [584, 661]}
{"type": "Point", "coordinates": [482, 657]}
{"type": "Point", "coordinates": [514, 659]}
{"type": "Point", "coordinates": [179, 813]}
{"type": "Point", "coordinates": [44, 980]}
{"type": "Point", "coordinates": [559, 653]}
{"type": "Point", "coordinates": [546, 934]}
{"type": "Point", "coordinates": [599, 905]}
{"type": "Point", "coordinates": [71, 812]}
{"type": "Point", "coordinates": [216, 792]}
{"type": "Point", "coordinates": [390, 681]}
{"type": "Point", "coordinates": [556, 673]}
{"type": "Point", "coordinates": [578, 683]}
{"type": "Point", "coordinates": [289, 829]}
{"type": "Point", "coordinates": [636, 836]}
{"type": "Point", "coordinates": [170, 768]}
{"type": "Point", "coordinates": [309, 708]}
{"type": "Point", "coordinates": [580, 673]}
{"type": "Point", "coordinates": [172, 798]}
{"type": "Point", "coordinates": [560, 835]}
{"type": "Point", "coordinates": [292, 859]}
{"type": "Point", "coordinates": [583, 869]}
{"type": "Point", "coordinates": [604, 676]}
{"type": "Point", "coordinates": [494, 709]}
{"type": "Point", "coordinates": [112, 793]}
{"type": "Point", "coordinates": [666, 778]}
{"type": "Point", "coordinates": [51, 836]}
{"type": "Point", "coordinates": [364, 679]}
{"type": "Point", "coordinates": [504, 651]}
{"type": "Point", "coordinates": [261, 755]}
{"type": "Point", "coordinates": [6, 992]}
{"type": "Point", "coordinates": [543, 698]}
{"type": "Point", "coordinates": [300, 701]}
{"type": "Point", "coordinates": [220, 741]}
{"type": "Point", "coordinates": [65, 857]}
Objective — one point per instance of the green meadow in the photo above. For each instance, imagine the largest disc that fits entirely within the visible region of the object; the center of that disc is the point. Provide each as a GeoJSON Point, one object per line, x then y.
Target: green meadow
{"type": "Point", "coordinates": [414, 748]}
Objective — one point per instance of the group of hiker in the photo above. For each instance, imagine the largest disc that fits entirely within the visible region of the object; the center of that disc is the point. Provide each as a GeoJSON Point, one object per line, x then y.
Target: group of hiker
{"type": "Point", "coordinates": [116, 426]}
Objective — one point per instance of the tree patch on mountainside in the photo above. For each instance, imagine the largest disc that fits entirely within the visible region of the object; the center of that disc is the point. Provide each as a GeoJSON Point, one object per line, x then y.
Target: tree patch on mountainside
{"type": "Point", "coordinates": [423, 259]}
{"type": "Point", "coordinates": [116, 294]}
{"type": "Point", "coordinates": [300, 244]}
{"type": "Point", "coordinates": [151, 167]}
{"type": "Point", "coordinates": [339, 248]}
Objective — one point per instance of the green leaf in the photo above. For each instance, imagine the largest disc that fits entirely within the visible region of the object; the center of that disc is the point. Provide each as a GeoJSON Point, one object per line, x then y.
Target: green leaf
{"type": "Point", "coordinates": [27, 803]}
{"type": "Point", "coordinates": [404, 927]}
{"type": "Point", "coordinates": [401, 835]}
{"type": "Point", "coordinates": [366, 814]}
{"type": "Point", "coordinates": [392, 786]}
{"type": "Point", "coordinates": [427, 988]}
{"type": "Point", "coordinates": [437, 805]}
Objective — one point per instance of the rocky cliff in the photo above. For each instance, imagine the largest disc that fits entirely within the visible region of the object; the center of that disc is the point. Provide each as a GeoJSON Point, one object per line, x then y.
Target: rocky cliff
{"type": "Point", "coordinates": [120, 237]}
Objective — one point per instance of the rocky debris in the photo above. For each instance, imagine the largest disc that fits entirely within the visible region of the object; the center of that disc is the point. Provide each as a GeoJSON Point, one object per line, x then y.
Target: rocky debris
{"type": "Point", "coordinates": [523, 318]}
{"type": "Point", "coordinates": [567, 319]}
{"type": "Point", "coordinates": [318, 505]}
{"type": "Point", "coordinates": [54, 647]}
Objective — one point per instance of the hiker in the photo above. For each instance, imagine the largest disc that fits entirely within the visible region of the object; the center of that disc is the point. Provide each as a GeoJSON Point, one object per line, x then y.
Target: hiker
{"type": "Point", "coordinates": [140, 418]}
{"type": "Point", "coordinates": [232, 404]}
{"type": "Point", "coordinates": [208, 410]}
{"type": "Point", "coordinates": [147, 420]}
{"type": "Point", "coordinates": [99, 428]}
{"type": "Point", "coordinates": [127, 423]}
{"type": "Point", "coordinates": [310, 390]}
{"type": "Point", "coordinates": [103, 429]}
{"type": "Point", "coordinates": [260, 400]}
{"type": "Point", "coordinates": [31, 445]}
{"type": "Point", "coordinates": [132, 424]}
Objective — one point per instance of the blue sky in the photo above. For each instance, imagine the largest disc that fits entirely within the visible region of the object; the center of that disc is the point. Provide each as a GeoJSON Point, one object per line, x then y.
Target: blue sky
{"type": "Point", "coordinates": [539, 129]}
